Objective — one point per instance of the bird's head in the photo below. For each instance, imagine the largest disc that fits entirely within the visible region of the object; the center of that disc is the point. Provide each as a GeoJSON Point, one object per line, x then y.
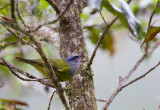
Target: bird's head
{"type": "Point", "coordinates": [74, 63]}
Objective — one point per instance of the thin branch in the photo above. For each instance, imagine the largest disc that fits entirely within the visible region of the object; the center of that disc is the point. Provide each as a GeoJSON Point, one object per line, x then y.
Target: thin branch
{"type": "Point", "coordinates": [5, 25]}
{"type": "Point", "coordinates": [134, 68]}
{"type": "Point", "coordinates": [52, 74]}
{"type": "Point", "coordinates": [142, 76]}
{"type": "Point", "coordinates": [149, 23]}
{"type": "Point", "coordinates": [102, 37]}
{"type": "Point", "coordinates": [55, 20]}
{"type": "Point", "coordinates": [159, 107]}
{"type": "Point", "coordinates": [18, 13]}
{"type": "Point", "coordinates": [101, 100]}
{"type": "Point", "coordinates": [14, 73]}
{"type": "Point", "coordinates": [103, 18]}
{"type": "Point", "coordinates": [13, 10]}
{"type": "Point", "coordinates": [122, 86]}
{"type": "Point", "coordinates": [50, 101]}
{"type": "Point", "coordinates": [54, 6]}
{"type": "Point", "coordinates": [14, 106]}
{"type": "Point", "coordinates": [16, 28]}
{"type": "Point", "coordinates": [32, 78]}
{"type": "Point", "coordinates": [124, 80]}
{"type": "Point", "coordinates": [5, 44]}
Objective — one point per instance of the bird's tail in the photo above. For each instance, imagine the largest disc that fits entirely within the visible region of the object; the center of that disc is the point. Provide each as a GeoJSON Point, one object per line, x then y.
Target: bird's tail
{"type": "Point", "coordinates": [29, 61]}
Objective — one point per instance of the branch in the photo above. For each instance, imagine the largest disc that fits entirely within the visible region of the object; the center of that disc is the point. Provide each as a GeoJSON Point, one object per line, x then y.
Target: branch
{"type": "Point", "coordinates": [32, 78]}
{"type": "Point", "coordinates": [159, 107]}
{"type": "Point", "coordinates": [102, 37]}
{"type": "Point", "coordinates": [55, 20]}
{"type": "Point", "coordinates": [18, 13]}
{"type": "Point", "coordinates": [103, 18]}
{"type": "Point", "coordinates": [101, 100]}
{"type": "Point", "coordinates": [50, 101]}
{"type": "Point", "coordinates": [54, 6]}
{"type": "Point", "coordinates": [13, 10]}
{"type": "Point", "coordinates": [52, 74]}
{"type": "Point", "coordinates": [142, 76]}
{"type": "Point", "coordinates": [149, 23]}
{"type": "Point", "coordinates": [122, 86]}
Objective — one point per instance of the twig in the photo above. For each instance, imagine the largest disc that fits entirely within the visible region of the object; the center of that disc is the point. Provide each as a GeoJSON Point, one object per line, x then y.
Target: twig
{"type": "Point", "coordinates": [159, 107]}
{"type": "Point", "coordinates": [18, 13]}
{"type": "Point", "coordinates": [19, 29]}
{"type": "Point", "coordinates": [5, 25]}
{"type": "Point", "coordinates": [54, 6]}
{"type": "Point", "coordinates": [149, 24]}
{"type": "Point", "coordinates": [142, 76]}
{"type": "Point", "coordinates": [130, 73]}
{"type": "Point", "coordinates": [103, 18]}
{"type": "Point", "coordinates": [5, 44]}
{"type": "Point", "coordinates": [52, 74]}
{"type": "Point", "coordinates": [101, 100]}
{"type": "Point", "coordinates": [14, 73]}
{"type": "Point", "coordinates": [102, 37]}
{"type": "Point", "coordinates": [122, 86]}
{"type": "Point", "coordinates": [17, 69]}
{"type": "Point", "coordinates": [50, 101]}
{"type": "Point", "coordinates": [13, 10]}
{"type": "Point", "coordinates": [14, 106]}
{"type": "Point", "coordinates": [55, 20]}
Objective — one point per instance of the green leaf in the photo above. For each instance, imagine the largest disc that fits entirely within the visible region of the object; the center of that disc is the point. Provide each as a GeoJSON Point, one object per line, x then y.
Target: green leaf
{"type": "Point", "coordinates": [152, 32]}
{"type": "Point", "coordinates": [126, 17]}
{"type": "Point", "coordinates": [133, 23]}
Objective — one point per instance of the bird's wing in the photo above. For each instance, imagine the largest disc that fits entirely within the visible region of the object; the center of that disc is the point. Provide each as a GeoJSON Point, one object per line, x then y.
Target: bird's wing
{"type": "Point", "coordinates": [59, 65]}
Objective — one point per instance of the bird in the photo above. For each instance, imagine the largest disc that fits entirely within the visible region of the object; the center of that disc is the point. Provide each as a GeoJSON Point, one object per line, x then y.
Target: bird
{"type": "Point", "coordinates": [64, 69]}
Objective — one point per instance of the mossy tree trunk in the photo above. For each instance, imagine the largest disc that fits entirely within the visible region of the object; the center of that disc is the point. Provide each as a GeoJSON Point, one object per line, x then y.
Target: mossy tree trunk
{"type": "Point", "coordinates": [81, 89]}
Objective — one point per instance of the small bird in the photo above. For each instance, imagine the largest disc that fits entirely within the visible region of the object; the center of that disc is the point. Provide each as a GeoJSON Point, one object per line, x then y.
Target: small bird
{"type": "Point", "coordinates": [64, 69]}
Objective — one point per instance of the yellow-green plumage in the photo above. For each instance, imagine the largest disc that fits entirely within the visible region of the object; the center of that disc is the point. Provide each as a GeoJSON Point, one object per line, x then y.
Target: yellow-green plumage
{"type": "Point", "coordinates": [60, 66]}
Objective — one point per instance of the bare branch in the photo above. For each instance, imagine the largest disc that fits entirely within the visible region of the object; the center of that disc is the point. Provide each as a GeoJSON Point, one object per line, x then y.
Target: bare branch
{"type": "Point", "coordinates": [103, 18]}
{"type": "Point", "coordinates": [149, 23]}
{"type": "Point", "coordinates": [101, 100]}
{"type": "Point", "coordinates": [101, 39]}
{"type": "Point", "coordinates": [52, 74]}
{"type": "Point", "coordinates": [32, 78]}
{"type": "Point", "coordinates": [54, 6]}
{"type": "Point", "coordinates": [14, 106]}
{"type": "Point", "coordinates": [55, 20]}
{"type": "Point", "coordinates": [159, 107]}
{"type": "Point", "coordinates": [18, 13]}
{"type": "Point", "coordinates": [50, 101]}
{"type": "Point", "coordinates": [122, 85]}
{"type": "Point", "coordinates": [142, 76]}
{"type": "Point", "coordinates": [13, 10]}
{"type": "Point", "coordinates": [124, 80]}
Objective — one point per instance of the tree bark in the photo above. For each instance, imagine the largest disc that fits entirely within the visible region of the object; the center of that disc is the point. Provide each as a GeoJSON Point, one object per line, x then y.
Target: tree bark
{"type": "Point", "coordinates": [80, 90]}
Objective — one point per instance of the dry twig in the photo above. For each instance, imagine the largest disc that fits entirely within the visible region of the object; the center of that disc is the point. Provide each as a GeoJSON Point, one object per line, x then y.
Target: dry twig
{"type": "Point", "coordinates": [50, 101]}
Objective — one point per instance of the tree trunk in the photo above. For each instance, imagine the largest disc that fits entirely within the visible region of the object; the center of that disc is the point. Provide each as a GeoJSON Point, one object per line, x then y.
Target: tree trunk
{"type": "Point", "coordinates": [80, 90]}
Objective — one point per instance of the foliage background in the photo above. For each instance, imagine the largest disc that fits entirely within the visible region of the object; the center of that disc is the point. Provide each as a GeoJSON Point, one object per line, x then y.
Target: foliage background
{"type": "Point", "coordinates": [117, 55]}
